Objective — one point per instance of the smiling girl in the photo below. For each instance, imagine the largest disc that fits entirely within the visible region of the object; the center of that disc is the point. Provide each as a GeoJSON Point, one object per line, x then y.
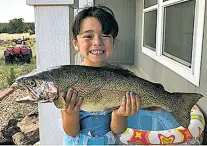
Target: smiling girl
{"type": "Point", "coordinates": [94, 31]}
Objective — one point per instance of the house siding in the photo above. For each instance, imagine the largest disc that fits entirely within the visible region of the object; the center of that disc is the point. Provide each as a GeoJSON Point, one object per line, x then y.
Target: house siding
{"type": "Point", "coordinates": [152, 70]}
{"type": "Point", "coordinates": [124, 11]}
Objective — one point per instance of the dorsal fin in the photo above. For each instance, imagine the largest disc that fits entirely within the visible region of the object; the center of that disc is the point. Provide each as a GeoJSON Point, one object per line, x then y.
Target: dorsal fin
{"type": "Point", "coordinates": [120, 69]}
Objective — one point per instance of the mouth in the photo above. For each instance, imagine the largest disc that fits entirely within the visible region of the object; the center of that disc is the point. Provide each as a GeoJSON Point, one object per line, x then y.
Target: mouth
{"type": "Point", "coordinates": [25, 91]}
{"type": "Point", "coordinates": [35, 97]}
{"type": "Point", "coordinates": [35, 94]}
{"type": "Point", "coordinates": [97, 52]}
{"type": "Point", "coordinates": [17, 86]}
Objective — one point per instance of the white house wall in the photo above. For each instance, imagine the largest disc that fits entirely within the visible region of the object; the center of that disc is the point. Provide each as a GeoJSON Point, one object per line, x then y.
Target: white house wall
{"type": "Point", "coordinates": [154, 71]}
{"type": "Point", "coordinates": [53, 43]}
{"type": "Point", "coordinates": [50, 50]}
{"type": "Point", "coordinates": [50, 16]}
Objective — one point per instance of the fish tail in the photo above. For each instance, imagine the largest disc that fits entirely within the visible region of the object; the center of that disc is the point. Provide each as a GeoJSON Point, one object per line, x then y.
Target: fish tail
{"type": "Point", "coordinates": [184, 102]}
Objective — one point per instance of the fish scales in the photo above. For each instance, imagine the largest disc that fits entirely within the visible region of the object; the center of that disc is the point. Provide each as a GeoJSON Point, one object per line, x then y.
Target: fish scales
{"type": "Point", "coordinates": [103, 88]}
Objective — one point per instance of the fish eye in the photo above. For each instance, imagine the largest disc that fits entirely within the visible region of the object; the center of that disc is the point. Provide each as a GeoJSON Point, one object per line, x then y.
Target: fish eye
{"type": "Point", "coordinates": [32, 83]}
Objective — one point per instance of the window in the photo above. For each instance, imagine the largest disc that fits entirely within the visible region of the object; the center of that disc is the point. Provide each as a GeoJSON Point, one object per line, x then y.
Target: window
{"type": "Point", "coordinates": [173, 33]}
{"type": "Point", "coordinates": [150, 23]}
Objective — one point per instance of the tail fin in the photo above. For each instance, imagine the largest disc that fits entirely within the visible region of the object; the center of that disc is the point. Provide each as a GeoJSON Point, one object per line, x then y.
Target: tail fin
{"type": "Point", "coordinates": [184, 104]}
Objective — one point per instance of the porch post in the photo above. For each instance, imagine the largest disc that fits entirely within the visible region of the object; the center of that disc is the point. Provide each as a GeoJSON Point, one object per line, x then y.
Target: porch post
{"type": "Point", "coordinates": [52, 30]}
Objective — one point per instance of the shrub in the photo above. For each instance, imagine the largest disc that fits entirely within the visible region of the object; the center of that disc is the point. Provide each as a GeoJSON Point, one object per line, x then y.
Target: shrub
{"type": "Point", "coordinates": [11, 78]}
{"type": "Point", "coordinates": [6, 45]}
{"type": "Point", "coordinates": [13, 44]}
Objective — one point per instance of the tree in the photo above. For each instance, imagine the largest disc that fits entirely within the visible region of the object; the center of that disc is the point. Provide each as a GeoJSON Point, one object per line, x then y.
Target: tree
{"type": "Point", "coordinates": [17, 25]}
{"type": "Point", "coordinates": [30, 32]}
{"type": "Point", "coordinates": [31, 26]}
{"type": "Point", "coordinates": [4, 27]}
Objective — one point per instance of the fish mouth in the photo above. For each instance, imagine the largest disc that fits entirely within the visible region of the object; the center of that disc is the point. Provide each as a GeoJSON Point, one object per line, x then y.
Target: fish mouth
{"type": "Point", "coordinates": [33, 98]}
{"type": "Point", "coordinates": [39, 95]}
{"type": "Point", "coordinates": [29, 99]}
{"type": "Point", "coordinates": [33, 92]}
{"type": "Point", "coordinates": [16, 85]}
{"type": "Point", "coordinates": [97, 52]}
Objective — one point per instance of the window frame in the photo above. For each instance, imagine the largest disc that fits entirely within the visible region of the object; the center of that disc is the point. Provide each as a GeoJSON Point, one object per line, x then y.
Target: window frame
{"type": "Point", "coordinates": [191, 74]}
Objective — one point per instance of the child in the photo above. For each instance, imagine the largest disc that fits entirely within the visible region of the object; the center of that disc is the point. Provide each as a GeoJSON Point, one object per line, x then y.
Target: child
{"type": "Point", "coordinates": [94, 31]}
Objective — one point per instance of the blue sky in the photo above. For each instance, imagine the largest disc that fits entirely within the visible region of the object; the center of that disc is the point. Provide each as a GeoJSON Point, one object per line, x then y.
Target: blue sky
{"type": "Point", "coordinates": [10, 9]}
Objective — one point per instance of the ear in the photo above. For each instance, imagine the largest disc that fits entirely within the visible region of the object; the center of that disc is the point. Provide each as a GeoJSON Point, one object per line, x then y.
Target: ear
{"type": "Point", "coordinates": [75, 44]}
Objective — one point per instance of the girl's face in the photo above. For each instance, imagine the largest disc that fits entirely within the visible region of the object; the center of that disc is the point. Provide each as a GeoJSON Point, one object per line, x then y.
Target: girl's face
{"type": "Point", "coordinates": [92, 44]}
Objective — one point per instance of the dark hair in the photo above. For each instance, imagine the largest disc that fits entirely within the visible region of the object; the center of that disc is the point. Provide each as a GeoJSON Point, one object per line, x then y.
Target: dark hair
{"type": "Point", "coordinates": [104, 15]}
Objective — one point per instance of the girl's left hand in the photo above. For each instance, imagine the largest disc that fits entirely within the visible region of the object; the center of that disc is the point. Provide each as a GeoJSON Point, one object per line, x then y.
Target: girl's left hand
{"type": "Point", "coordinates": [129, 106]}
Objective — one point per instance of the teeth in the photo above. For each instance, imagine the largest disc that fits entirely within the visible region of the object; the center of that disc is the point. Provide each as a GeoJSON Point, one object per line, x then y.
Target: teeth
{"type": "Point", "coordinates": [97, 52]}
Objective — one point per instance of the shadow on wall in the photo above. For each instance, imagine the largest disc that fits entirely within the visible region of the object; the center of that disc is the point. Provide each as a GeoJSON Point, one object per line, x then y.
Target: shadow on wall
{"type": "Point", "coordinates": [205, 133]}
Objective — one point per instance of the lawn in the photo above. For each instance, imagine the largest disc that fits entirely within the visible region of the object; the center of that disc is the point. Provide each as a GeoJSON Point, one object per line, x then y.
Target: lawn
{"type": "Point", "coordinates": [9, 72]}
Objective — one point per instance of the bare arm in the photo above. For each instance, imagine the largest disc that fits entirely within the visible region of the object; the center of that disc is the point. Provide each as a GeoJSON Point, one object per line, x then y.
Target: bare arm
{"type": "Point", "coordinates": [129, 106]}
{"type": "Point", "coordinates": [70, 123]}
{"type": "Point", "coordinates": [70, 115]}
{"type": "Point", "coordinates": [118, 123]}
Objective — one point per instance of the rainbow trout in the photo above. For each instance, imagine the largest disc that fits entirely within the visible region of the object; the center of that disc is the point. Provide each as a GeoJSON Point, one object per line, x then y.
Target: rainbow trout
{"type": "Point", "coordinates": [103, 88]}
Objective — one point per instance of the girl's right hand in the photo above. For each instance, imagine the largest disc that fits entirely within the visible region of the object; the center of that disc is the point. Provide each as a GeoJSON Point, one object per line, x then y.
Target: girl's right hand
{"type": "Point", "coordinates": [72, 105]}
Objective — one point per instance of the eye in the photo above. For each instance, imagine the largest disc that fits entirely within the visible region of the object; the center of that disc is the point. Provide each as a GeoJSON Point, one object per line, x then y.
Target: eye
{"type": "Point", "coordinates": [32, 83]}
{"type": "Point", "coordinates": [106, 36]}
{"type": "Point", "coordinates": [88, 36]}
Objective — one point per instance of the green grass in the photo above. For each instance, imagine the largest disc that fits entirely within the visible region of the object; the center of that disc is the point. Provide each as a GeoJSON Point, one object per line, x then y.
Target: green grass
{"type": "Point", "coordinates": [6, 77]}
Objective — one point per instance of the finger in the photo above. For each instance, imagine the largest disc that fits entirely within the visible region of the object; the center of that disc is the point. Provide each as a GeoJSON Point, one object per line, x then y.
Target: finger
{"type": "Point", "coordinates": [79, 103]}
{"type": "Point", "coordinates": [63, 94]}
{"type": "Point", "coordinates": [138, 102]}
{"type": "Point", "coordinates": [123, 104]}
{"type": "Point", "coordinates": [62, 97]}
{"type": "Point", "coordinates": [68, 96]}
{"type": "Point", "coordinates": [122, 108]}
{"type": "Point", "coordinates": [133, 103]}
{"type": "Point", "coordinates": [73, 100]}
{"type": "Point", "coordinates": [128, 103]}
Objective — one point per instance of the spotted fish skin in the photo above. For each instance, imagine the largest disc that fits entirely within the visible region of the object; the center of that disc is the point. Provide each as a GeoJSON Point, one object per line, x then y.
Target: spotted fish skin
{"type": "Point", "coordinates": [103, 88]}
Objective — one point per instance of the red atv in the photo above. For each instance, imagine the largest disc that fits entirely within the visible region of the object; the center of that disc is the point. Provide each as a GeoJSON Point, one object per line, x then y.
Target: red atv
{"type": "Point", "coordinates": [18, 55]}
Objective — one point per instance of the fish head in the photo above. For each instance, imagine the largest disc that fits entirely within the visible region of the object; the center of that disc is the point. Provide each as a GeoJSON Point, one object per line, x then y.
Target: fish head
{"type": "Point", "coordinates": [35, 87]}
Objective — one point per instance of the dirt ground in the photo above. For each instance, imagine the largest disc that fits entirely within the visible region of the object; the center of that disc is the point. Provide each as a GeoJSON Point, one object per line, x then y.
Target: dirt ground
{"type": "Point", "coordinates": [9, 108]}
{"type": "Point", "coordinates": [5, 36]}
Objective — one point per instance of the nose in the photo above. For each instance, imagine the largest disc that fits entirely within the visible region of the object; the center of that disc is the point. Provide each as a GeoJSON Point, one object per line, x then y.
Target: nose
{"type": "Point", "coordinates": [98, 41]}
{"type": "Point", "coordinates": [14, 85]}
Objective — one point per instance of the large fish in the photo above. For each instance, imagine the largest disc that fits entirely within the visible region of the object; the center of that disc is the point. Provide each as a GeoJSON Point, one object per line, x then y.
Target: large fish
{"type": "Point", "coordinates": [103, 88]}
